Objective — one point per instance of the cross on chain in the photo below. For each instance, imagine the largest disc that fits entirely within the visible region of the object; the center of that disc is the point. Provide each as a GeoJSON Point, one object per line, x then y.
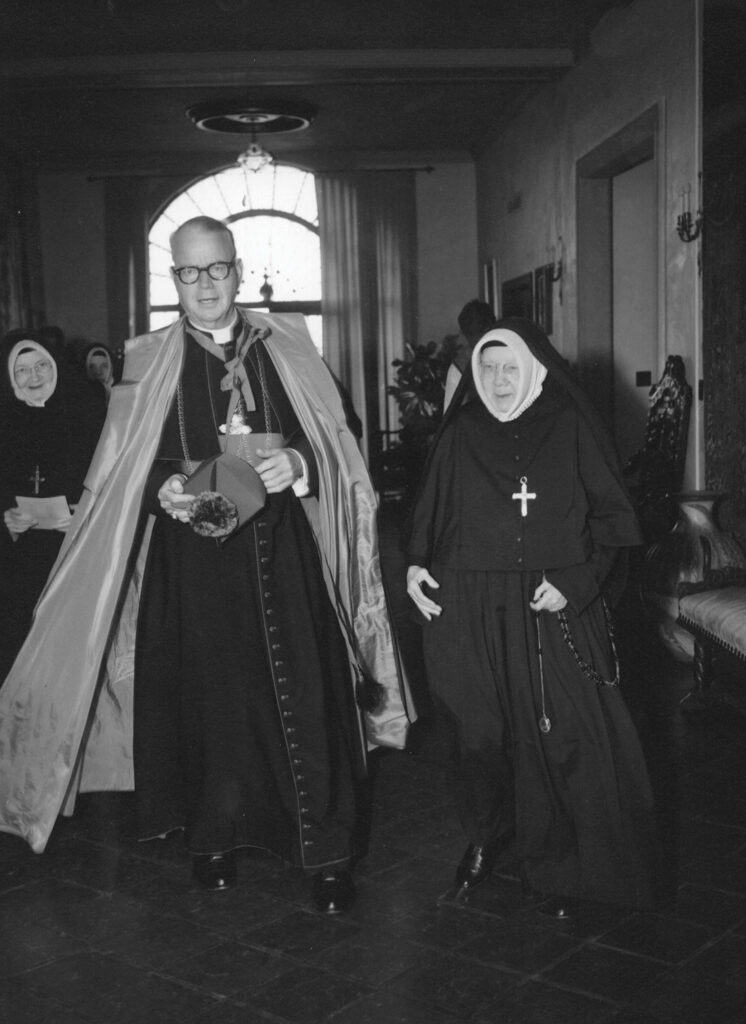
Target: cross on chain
{"type": "Point", "coordinates": [524, 496]}
{"type": "Point", "coordinates": [37, 479]}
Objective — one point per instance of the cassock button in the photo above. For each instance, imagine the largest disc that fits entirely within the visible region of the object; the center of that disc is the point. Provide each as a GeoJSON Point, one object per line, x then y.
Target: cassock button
{"type": "Point", "coordinates": [294, 746]}
{"type": "Point", "coordinates": [273, 629]}
{"type": "Point", "coordinates": [278, 662]}
{"type": "Point", "coordinates": [516, 458]}
{"type": "Point", "coordinates": [276, 647]}
{"type": "Point", "coordinates": [300, 777]}
{"type": "Point", "coordinates": [287, 714]}
{"type": "Point", "coordinates": [282, 679]}
{"type": "Point", "coordinates": [290, 730]}
{"type": "Point", "coordinates": [265, 576]}
{"type": "Point", "coordinates": [269, 611]}
{"type": "Point", "coordinates": [268, 593]}
{"type": "Point", "coordinates": [303, 793]}
{"type": "Point", "coordinates": [264, 559]}
{"type": "Point", "coordinates": [308, 842]}
{"type": "Point", "coordinates": [306, 825]}
{"type": "Point", "coordinates": [284, 696]}
{"type": "Point", "coordinates": [262, 543]}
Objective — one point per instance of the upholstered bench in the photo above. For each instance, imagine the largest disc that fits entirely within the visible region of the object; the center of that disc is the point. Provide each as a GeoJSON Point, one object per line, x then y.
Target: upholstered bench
{"type": "Point", "coordinates": [717, 619]}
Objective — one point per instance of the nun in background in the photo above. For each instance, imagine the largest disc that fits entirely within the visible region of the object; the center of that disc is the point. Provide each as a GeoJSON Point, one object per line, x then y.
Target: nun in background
{"type": "Point", "coordinates": [98, 366]}
{"type": "Point", "coordinates": [50, 421]}
{"type": "Point", "coordinates": [520, 520]}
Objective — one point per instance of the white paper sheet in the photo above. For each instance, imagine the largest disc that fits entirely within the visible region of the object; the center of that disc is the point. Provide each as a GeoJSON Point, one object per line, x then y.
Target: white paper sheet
{"type": "Point", "coordinates": [50, 513]}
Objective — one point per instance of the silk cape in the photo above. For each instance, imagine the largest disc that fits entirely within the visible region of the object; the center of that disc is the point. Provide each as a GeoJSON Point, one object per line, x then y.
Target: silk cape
{"type": "Point", "coordinates": [66, 706]}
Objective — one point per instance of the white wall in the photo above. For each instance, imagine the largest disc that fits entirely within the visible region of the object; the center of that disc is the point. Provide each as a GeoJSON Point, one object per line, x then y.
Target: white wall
{"type": "Point", "coordinates": [71, 215]}
{"type": "Point", "coordinates": [447, 264]}
{"type": "Point", "coordinates": [642, 55]}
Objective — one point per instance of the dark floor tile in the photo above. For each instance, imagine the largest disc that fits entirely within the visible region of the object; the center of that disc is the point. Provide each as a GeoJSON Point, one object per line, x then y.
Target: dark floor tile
{"type": "Point", "coordinates": [104, 989]}
{"type": "Point", "coordinates": [301, 934]}
{"type": "Point", "coordinates": [537, 1003]}
{"type": "Point", "coordinates": [711, 907]}
{"type": "Point", "coordinates": [664, 938]}
{"type": "Point", "coordinates": [24, 947]}
{"type": "Point", "coordinates": [370, 956]}
{"type": "Point", "coordinates": [105, 868]}
{"type": "Point", "coordinates": [451, 983]}
{"type": "Point", "coordinates": [518, 946]}
{"type": "Point", "coordinates": [604, 972]}
{"type": "Point", "coordinates": [690, 996]}
{"type": "Point", "coordinates": [230, 970]}
{"type": "Point", "coordinates": [305, 995]}
{"type": "Point", "coordinates": [386, 1007]}
{"type": "Point", "coordinates": [230, 913]}
{"type": "Point", "coordinates": [725, 961]}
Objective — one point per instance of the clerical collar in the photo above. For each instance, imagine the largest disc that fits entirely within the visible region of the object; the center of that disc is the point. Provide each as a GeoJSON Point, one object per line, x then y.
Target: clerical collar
{"type": "Point", "coordinates": [221, 335]}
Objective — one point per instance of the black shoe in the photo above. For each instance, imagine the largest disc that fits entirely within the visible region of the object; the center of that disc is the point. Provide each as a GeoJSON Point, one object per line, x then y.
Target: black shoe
{"type": "Point", "coordinates": [214, 871]}
{"type": "Point", "coordinates": [333, 891]}
{"type": "Point", "coordinates": [476, 865]}
{"type": "Point", "coordinates": [561, 908]}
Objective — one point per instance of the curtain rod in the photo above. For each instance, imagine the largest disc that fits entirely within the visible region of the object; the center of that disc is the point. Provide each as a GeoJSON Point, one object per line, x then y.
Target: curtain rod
{"type": "Point", "coordinates": [318, 170]}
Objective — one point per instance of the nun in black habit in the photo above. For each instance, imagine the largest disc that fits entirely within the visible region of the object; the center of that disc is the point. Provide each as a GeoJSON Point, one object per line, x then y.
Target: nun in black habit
{"type": "Point", "coordinates": [521, 517]}
{"type": "Point", "coordinates": [50, 421]}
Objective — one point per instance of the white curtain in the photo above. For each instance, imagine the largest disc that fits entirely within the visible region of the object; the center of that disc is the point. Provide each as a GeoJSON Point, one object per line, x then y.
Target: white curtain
{"type": "Point", "coordinates": [368, 269]}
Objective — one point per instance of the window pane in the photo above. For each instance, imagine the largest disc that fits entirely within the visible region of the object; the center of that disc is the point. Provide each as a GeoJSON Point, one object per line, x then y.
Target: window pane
{"type": "Point", "coordinates": [287, 252]}
{"type": "Point", "coordinates": [163, 318]}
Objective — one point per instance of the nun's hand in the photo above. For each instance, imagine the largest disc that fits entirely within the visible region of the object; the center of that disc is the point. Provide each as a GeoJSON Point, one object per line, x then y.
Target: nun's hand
{"type": "Point", "coordinates": [416, 576]}
{"type": "Point", "coordinates": [18, 522]}
{"type": "Point", "coordinates": [172, 499]}
{"type": "Point", "coordinates": [547, 598]}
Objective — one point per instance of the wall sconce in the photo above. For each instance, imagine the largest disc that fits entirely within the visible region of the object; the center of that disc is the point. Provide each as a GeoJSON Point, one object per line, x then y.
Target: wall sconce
{"type": "Point", "coordinates": [554, 267]}
{"type": "Point", "coordinates": [688, 228]}
{"type": "Point", "coordinates": [555, 258]}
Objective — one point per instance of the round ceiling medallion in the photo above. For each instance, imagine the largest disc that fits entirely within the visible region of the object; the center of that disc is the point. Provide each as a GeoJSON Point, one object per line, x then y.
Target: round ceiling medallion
{"type": "Point", "coordinates": [235, 117]}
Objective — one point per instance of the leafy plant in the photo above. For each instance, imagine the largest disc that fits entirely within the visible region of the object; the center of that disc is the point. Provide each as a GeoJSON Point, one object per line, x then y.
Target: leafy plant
{"type": "Point", "coordinates": [419, 386]}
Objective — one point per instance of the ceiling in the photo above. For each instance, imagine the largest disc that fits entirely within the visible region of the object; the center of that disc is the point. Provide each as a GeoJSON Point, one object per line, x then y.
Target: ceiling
{"type": "Point", "coordinates": [104, 85]}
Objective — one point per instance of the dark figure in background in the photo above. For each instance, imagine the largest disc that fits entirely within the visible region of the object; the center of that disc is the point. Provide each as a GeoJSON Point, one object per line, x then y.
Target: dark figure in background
{"type": "Point", "coordinates": [474, 320]}
{"type": "Point", "coordinates": [519, 521]}
{"type": "Point", "coordinates": [49, 426]}
{"type": "Point", "coordinates": [245, 730]}
{"type": "Point", "coordinates": [97, 364]}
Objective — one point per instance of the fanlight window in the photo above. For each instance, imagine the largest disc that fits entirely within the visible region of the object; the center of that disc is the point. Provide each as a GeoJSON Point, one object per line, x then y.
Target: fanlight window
{"type": "Point", "coordinates": [274, 219]}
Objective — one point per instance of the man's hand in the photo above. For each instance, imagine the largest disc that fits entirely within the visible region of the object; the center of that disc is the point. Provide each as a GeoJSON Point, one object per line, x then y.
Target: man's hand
{"type": "Point", "coordinates": [416, 576]}
{"type": "Point", "coordinates": [279, 469]}
{"type": "Point", "coordinates": [172, 499]}
{"type": "Point", "coordinates": [547, 598]}
{"type": "Point", "coordinates": [18, 522]}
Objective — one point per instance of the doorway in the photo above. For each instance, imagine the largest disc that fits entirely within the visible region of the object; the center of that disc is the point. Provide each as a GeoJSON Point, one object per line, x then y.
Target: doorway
{"type": "Point", "coordinates": [618, 278]}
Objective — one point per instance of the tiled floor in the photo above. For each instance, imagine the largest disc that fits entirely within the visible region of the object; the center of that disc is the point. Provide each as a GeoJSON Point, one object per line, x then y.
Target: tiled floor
{"type": "Point", "coordinates": [103, 929]}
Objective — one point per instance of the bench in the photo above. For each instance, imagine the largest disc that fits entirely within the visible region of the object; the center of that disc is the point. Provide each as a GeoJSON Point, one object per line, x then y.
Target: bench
{"type": "Point", "coordinates": [714, 612]}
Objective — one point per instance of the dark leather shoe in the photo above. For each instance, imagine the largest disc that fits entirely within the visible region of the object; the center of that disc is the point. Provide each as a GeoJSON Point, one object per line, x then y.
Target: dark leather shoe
{"type": "Point", "coordinates": [333, 891]}
{"type": "Point", "coordinates": [561, 908]}
{"type": "Point", "coordinates": [214, 871]}
{"type": "Point", "coordinates": [476, 866]}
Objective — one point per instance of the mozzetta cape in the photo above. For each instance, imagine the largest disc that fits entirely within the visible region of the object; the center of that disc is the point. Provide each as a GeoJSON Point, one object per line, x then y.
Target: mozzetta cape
{"type": "Point", "coordinates": [66, 707]}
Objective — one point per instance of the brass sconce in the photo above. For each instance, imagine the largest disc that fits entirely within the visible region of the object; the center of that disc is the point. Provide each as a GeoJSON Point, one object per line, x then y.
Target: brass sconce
{"type": "Point", "coordinates": [688, 227]}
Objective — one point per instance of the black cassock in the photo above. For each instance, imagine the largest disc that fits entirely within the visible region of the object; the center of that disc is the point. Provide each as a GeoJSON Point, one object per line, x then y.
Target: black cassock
{"type": "Point", "coordinates": [577, 798]}
{"type": "Point", "coordinates": [245, 729]}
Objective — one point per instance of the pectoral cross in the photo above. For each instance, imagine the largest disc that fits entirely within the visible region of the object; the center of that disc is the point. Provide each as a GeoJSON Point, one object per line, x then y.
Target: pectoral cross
{"type": "Point", "coordinates": [37, 479]}
{"type": "Point", "coordinates": [524, 496]}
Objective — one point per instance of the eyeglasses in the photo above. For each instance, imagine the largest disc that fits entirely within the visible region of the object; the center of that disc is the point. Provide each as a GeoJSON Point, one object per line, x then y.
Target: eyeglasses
{"type": "Point", "coordinates": [23, 373]}
{"type": "Point", "coordinates": [218, 271]}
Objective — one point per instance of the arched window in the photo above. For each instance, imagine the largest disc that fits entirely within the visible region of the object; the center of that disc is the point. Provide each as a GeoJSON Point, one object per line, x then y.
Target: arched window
{"type": "Point", "coordinates": [274, 219]}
